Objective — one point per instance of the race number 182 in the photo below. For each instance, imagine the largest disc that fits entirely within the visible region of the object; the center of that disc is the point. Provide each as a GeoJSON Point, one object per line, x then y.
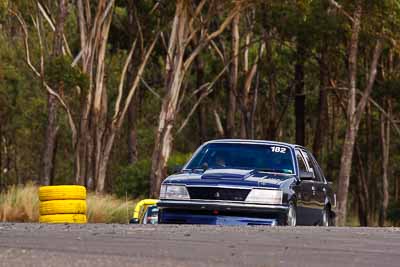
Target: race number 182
{"type": "Point", "coordinates": [278, 149]}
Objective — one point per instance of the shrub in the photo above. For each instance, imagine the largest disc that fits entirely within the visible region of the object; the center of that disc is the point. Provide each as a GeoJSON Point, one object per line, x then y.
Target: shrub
{"type": "Point", "coordinates": [134, 179]}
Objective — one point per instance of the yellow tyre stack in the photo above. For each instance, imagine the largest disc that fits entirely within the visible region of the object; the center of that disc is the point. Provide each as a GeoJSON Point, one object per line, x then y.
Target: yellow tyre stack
{"type": "Point", "coordinates": [62, 204]}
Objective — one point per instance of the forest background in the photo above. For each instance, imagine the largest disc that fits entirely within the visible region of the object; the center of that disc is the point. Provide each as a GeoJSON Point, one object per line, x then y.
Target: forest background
{"type": "Point", "coordinates": [114, 94]}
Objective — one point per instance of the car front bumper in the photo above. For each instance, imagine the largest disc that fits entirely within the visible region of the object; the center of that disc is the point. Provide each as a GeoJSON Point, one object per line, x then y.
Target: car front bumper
{"type": "Point", "coordinates": [219, 212]}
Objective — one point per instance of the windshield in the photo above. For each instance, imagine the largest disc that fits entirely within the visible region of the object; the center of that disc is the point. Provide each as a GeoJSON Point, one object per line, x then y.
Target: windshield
{"type": "Point", "coordinates": [268, 158]}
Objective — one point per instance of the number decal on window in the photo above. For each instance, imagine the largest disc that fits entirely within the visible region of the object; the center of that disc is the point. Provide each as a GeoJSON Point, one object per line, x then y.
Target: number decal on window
{"type": "Point", "coordinates": [278, 149]}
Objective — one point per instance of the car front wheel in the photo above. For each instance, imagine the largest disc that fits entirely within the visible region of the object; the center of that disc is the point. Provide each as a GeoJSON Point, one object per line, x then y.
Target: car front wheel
{"type": "Point", "coordinates": [326, 217]}
{"type": "Point", "coordinates": [291, 217]}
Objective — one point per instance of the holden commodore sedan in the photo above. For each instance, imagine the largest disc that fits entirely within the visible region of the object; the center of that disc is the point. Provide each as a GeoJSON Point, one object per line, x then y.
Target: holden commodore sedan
{"type": "Point", "coordinates": [248, 182]}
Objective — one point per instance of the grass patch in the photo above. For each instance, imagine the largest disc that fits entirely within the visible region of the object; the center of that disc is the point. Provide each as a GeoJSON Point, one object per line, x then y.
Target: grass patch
{"type": "Point", "coordinates": [108, 209]}
{"type": "Point", "coordinates": [21, 204]}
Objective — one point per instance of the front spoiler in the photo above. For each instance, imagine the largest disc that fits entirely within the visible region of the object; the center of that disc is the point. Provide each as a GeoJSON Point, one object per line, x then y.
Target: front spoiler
{"type": "Point", "coordinates": [220, 205]}
{"type": "Point", "coordinates": [219, 213]}
{"type": "Point", "coordinates": [170, 217]}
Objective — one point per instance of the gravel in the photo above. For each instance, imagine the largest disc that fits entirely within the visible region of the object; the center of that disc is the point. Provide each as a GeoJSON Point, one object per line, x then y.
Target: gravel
{"type": "Point", "coordinates": [25, 244]}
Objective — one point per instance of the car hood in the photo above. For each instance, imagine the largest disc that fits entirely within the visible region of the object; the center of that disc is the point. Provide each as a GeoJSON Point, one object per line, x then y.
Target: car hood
{"type": "Point", "coordinates": [229, 177]}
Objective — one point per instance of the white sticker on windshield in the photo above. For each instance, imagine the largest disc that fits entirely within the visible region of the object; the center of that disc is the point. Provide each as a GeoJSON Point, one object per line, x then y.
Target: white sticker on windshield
{"type": "Point", "coordinates": [278, 149]}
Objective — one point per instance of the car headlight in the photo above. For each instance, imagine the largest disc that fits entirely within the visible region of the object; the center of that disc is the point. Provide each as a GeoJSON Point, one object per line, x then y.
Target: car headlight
{"type": "Point", "coordinates": [174, 192]}
{"type": "Point", "coordinates": [265, 196]}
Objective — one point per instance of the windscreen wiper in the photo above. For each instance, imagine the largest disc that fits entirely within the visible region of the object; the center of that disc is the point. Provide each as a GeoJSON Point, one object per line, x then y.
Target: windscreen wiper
{"type": "Point", "coordinates": [195, 170]}
{"type": "Point", "coordinates": [270, 170]}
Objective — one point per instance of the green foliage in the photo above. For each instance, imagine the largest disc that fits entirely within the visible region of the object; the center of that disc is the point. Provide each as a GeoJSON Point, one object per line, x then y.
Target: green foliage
{"type": "Point", "coordinates": [60, 74]}
{"type": "Point", "coordinates": [3, 10]}
{"type": "Point", "coordinates": [176, 161]}
{"type": "Point", "coordinates": [388, 87]}
{"type": "Point", "coordinates": [22, 111]}
{"type": "Point", "coordinates": [393, 214]}
{"type": "Point", "coordinates": [322, 30]}
{"type": "Point", "coordinates": [133, 180]}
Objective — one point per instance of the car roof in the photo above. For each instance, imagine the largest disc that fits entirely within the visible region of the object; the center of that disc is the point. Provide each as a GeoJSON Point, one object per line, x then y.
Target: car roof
{"type": "Point", "coordinates": [250, 141]}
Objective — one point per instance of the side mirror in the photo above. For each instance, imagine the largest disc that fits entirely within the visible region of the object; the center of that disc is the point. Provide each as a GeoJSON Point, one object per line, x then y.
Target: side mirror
{"type": "Point", "coordinates": [306, 176]}
{"type": "Point", "coordinates": [204, 166]}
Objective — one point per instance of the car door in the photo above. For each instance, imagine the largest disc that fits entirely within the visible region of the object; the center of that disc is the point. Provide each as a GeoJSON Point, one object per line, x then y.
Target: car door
{"type": "Point", "coordinates": [323, 183]}
{"type": "Point", "coordinates": [318, 188]}
{"type": "Point", "coordinates": [305, 197]}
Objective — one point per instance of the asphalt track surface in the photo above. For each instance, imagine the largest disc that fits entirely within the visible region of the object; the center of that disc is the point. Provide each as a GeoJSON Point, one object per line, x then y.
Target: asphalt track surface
{"type": "Point", "coordinates": [184, 245]}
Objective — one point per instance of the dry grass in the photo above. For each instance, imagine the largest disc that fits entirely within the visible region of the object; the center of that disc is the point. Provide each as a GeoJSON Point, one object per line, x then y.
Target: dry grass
{"type": "Point", "coordinates": [108, 209]}
{"type": "Point", "coordinates": [21, 204]}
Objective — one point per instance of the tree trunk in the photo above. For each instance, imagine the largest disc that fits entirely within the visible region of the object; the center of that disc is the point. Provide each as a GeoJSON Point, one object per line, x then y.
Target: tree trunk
{"type": "Point", "coordinates": [254, 102]}
{"type": "Point", "coordinates": [218, 123]}
{"type": "Point", "coordinates": [362, 191]}
{"type": "Point", "coordinates": [174, 79]}
{"type": "Point", "coordinates": [348, 145]}
{"type": "Point", "coordinates": [323, 118]}
{"type": "Point", "coordinates": [385, 140]}
{"type": "Point", "coordinates": [271, 133]}
{"type": "Point", "coordinates": [201, 113]}
{"type": "Point", "coordinates": [132, 135]}
{"type": "Point", "coordinates": [100, 107]}
{"type": "Point", "coordinates": [108, 131]}
{"type": "Point", "coordinates": [300, 94]}
{"type": "Point", "coordinates": [248, 95]}
{"type": "Point", "coordinates": [176, 68]}
{"type": "Point", "coordinates": [332, 138]}
{"type": "Point", "coordinates": [83, 151]}
{"type": "Point", "coordinates": [111, 129]}
{"type": "Point", "coordinates": [202, 119]}
{"type": "Point", "coordinates": [233, 79]}
{"type": "Point", "coordinates": [344, 173]}
{"type": "Point", "coordinates": [133, 110]}
{"type": "Point", "coordinates": [14, 157]}
{"type": "Point", "coordinates": [91, 140]}
{"type": "Point", "coordinates": [160, 156]}
{"type": "Point", "coordinates": [244, 91]}
{"type": "Point", "coordinates": [271, 103]}
{"type": "Point", "coordinates": [1, 154]}
{"type": "Point", "coordinates": [49, 151]}
{"type": "Point", "coordinates": [354, 113]}
{"type": "Point", "coordinates": [369, 161]}
{"type": "Point", "coordinates": [92, 120]}
{"type": "Point", "coordinates": [397, 191]}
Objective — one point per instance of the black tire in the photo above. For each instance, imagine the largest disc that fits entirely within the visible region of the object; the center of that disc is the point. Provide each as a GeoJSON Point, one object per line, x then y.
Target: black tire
{"type": "Point", "coordinates": [160, 214]}
{"type": "Point", "coordinates": [326, 217]}
{"type": "Point", "coordinates": [291, 216]}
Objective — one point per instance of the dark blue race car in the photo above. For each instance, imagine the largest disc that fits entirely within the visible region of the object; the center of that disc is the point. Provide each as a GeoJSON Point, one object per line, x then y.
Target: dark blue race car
{"type": "Point", "coordinates": [248, 182]}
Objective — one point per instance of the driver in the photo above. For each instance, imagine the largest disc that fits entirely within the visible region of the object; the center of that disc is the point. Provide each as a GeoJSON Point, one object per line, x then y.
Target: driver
{"type": "Point", "coordinates": [219, 161]}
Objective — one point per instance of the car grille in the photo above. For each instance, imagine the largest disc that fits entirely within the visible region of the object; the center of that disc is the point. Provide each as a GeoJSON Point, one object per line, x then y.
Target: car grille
{"type": "Point", "coordinates": [216, 193]}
